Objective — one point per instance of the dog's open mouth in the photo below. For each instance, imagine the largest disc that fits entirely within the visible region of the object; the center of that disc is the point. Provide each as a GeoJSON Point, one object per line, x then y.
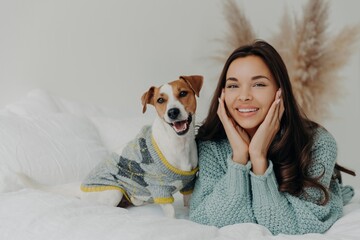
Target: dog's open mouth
{"type": "Point", "coordinates": [181, 127]}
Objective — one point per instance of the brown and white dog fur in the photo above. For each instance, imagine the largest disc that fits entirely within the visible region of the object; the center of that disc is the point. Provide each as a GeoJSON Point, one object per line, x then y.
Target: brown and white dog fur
{"type": "Point", "coordinates": [173, 130]}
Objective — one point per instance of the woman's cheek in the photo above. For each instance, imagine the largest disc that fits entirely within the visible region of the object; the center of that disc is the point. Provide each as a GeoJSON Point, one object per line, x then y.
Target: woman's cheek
{"type": "Point", "coordinates": [228, 102]}
{"type": "Point", "coordinates": [270, 102]}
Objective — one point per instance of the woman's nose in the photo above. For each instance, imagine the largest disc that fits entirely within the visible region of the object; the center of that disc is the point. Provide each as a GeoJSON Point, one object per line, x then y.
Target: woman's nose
{"type": "Point", "coordinates": [245, 95]}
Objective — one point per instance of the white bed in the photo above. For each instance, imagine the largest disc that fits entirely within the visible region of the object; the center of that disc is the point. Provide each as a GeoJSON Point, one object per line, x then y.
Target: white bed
{"type": "Point", "coordinates": [56, 141]}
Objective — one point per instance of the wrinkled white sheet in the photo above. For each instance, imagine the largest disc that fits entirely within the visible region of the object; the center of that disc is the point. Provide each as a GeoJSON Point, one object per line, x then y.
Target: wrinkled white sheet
{"type": "Point", "coordinates": [35, 215]}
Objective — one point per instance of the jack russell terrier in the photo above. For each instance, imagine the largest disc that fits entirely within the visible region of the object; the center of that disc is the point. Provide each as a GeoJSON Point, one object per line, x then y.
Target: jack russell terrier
{"type": "Point", "coordinates": [161, 160]}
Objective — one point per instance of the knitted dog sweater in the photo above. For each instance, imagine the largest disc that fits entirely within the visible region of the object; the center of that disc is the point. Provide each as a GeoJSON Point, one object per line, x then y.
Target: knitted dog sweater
{"type": "Point", "coordinates": [227, 193]}
{"type": "Point", "coordinates": [141, 172]}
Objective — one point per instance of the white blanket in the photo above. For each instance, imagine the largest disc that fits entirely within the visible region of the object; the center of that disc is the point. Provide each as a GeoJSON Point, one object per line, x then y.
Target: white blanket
{"type": "Point", "coordinates": [35, 215]}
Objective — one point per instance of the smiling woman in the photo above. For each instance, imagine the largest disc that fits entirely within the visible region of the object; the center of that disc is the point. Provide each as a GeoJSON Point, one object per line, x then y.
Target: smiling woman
{"type": "Point", "coordinates": [260, 159]}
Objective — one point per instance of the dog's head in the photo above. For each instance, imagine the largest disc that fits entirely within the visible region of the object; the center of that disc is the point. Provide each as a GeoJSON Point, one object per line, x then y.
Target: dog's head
{"type": "Point", "coordinates": [175, 102]}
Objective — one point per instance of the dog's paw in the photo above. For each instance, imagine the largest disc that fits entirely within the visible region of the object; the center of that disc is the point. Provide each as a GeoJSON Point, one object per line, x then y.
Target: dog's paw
{"type": "Point", "coordinates": [136, 201]}
{"type": "Point", "coordinates": [169, 210]}
{"type": "Point", "coordinates": [186, 198]}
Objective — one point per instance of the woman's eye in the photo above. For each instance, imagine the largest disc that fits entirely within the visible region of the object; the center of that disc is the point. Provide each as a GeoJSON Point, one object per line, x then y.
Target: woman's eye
{"type": "Point", "coordinates": [231, 86]}
{"type": "Point", "coordinates": [161, 100]}
{"type": "Point", "coordinates": [183, 94]}
{"type": "Point", "coordinates": [259, 85]}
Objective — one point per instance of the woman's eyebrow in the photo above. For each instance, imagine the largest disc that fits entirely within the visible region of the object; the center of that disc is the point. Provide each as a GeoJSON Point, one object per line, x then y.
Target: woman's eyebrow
{"type": "Point", "coordinates": [258, 77]}
{"type": "Point", "coordinates": [231, 79]}
{"type": "Point", "coordinates": [252, 78]}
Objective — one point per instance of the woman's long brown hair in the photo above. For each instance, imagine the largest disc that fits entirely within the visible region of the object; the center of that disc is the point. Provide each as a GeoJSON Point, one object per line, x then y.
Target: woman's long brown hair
{"type": "Point", "coordinates": [290, 151]}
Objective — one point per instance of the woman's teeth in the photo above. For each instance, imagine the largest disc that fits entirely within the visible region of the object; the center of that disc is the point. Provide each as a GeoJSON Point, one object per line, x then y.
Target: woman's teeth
{"type": "Point", "coordinates": [246, 110]}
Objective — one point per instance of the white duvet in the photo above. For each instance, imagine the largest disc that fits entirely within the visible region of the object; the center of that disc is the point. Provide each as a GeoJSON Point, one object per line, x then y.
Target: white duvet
{"type": "Point", "coordinates": [35, 215]}
{"type": "Point", "coordinates": [55, 141]}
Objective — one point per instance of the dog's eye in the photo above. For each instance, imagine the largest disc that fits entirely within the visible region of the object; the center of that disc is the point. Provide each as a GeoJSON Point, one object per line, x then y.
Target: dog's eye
{"type": "Point", "coordinates": [183, 94]}
{"type": "Point", "coordinates": [161, 100]}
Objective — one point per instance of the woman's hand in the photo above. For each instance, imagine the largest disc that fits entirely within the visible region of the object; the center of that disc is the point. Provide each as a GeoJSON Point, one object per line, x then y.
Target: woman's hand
{"type": "Point", "coordinates": [238, 138]}
{"type": "Point", "coordinates": [264, 136]}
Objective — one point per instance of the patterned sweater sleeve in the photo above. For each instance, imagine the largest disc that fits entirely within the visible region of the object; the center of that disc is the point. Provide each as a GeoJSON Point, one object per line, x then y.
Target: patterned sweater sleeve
{"type": "Point", "coordinates": [222, 190]}
{"type": "Point", "coordinates": [284, 213]}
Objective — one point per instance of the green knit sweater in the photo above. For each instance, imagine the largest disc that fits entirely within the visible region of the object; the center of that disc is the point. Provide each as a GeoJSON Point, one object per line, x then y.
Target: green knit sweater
{"type": "Point", "coordinates": [228, 193]}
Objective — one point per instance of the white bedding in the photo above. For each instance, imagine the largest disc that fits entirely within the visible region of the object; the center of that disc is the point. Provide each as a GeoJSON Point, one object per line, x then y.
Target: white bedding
{"type": "Point", "coordinates": [55, 141]}
{"type": "Point", "coordinates": [35, 215]}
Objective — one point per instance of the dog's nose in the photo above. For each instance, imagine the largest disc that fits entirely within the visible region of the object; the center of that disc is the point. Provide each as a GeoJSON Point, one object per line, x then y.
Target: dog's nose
{"type": "Point", "coordinates": [173, 113]}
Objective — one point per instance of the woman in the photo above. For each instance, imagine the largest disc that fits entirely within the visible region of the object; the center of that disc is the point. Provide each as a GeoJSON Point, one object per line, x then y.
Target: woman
{"type": "Point", "coordinates": [260, 159]}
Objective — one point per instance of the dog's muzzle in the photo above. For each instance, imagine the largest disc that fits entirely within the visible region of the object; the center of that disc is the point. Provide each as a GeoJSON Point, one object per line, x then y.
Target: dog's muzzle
{"type": "Point", "coordinates": [181, 127]}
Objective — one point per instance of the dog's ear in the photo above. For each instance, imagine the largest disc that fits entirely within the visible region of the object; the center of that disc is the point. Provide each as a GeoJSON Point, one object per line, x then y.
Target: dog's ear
{"type": "Point", "coordinates": [148, 98]}
{"type": "Point", "coordinates": [195, 82]}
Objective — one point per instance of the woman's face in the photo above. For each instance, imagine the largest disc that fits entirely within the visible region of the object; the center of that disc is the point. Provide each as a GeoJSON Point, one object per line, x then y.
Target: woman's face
{"type": "Point", "coordinates": [249, 92]}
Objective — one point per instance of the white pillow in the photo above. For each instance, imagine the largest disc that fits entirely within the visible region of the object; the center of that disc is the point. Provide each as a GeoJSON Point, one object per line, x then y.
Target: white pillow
{"type": "Point", "coordinates": [116, 133]}
{"type": "Point", "coordinates": [52, 149]}
{"type": "Point", "coordinates": [55, 140]}
{"type": "Point", "coordinates": [35, 102]}
{"type": "Point", "coordinates": [9, 180]}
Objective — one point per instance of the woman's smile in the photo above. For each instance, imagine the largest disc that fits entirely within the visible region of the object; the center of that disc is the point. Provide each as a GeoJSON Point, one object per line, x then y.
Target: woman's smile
{"type": "Point", "coordinates": [247, 111]}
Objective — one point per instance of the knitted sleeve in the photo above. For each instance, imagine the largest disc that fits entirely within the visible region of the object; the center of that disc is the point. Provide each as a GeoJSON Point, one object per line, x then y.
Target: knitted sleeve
{"type": "Point", "coordinates": [284, 213]}
{"type": "Point", "coordinates": [222, 191]}
{"type": "Point", "coordinates": [188, 188]}
{"type": "Point", "coordinates": [161, 194]}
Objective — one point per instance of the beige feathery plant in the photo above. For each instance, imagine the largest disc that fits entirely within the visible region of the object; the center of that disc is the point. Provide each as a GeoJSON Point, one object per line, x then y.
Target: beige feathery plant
{"type": "Point", "coordinates": [241, 31]}
{"type": "Point", "coordinates": [312, 55]}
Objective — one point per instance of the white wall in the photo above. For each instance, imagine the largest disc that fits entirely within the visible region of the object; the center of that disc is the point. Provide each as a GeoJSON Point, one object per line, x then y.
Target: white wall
{"type": "Point", "coordinates": [110, 51]}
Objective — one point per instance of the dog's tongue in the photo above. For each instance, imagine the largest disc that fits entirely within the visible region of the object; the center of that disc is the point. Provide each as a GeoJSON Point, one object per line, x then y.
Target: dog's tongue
{"type": "Point", "coordinates": [180, 126]}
